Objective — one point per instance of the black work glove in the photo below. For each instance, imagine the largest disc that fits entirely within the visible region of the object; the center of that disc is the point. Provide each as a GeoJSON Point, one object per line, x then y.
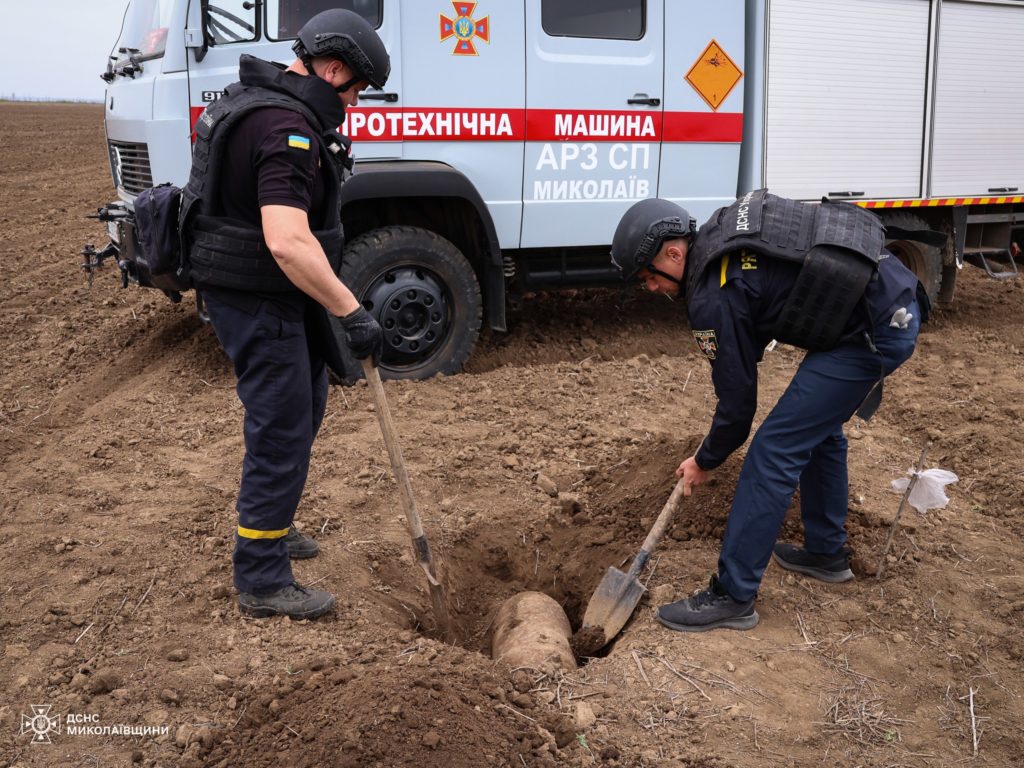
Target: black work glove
{"type": "Point", "coordinates": [363, 335]}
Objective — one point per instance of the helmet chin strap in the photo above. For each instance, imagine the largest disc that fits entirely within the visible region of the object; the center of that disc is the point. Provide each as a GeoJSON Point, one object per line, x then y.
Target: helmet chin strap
{"type": "Point", "coordinates": [655, 271]}
{"type": "Point", "coordinates": [347, 84]}
{"type": "Point", "coordinates": [307, 62]}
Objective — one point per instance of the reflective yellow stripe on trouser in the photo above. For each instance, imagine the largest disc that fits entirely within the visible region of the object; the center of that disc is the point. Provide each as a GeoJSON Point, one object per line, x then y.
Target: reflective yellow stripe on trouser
{"type": "Point", "coordinates": [252, 533]}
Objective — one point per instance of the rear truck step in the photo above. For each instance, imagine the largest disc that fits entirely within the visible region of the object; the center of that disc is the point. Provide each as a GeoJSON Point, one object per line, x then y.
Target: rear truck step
{"type": "Point", "coordinates": [981, 257]}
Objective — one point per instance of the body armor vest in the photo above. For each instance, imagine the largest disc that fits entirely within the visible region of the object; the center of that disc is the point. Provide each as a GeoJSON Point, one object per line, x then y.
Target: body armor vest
{"type": "Point", "coordinates": [225, 252]}
{"type": "Point", "coordinates": [837, 244]}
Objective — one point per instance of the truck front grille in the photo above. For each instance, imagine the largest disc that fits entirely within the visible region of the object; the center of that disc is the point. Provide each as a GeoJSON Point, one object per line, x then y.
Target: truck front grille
{"type": "Point", "coordinates": [130, 164]}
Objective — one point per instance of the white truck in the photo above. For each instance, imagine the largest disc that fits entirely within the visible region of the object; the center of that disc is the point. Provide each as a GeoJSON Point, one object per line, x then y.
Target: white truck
{"type": "Point", "coordinates": [514, 133]}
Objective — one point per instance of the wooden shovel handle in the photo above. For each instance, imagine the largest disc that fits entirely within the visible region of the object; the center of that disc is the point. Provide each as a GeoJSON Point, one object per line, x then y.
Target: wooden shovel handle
{"type": "Point", "coordinates": [419, 538]}
{"type": "Point", "coordinates": [657, 530]}
{"type": "Point", "coordinates": [387, 428]}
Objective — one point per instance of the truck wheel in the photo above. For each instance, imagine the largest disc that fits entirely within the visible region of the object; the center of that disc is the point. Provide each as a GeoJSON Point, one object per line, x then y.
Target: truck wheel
{"type": "Point", "coordinates": [424, 294]}
{"type": "Point", "coordinates": [923, 260]}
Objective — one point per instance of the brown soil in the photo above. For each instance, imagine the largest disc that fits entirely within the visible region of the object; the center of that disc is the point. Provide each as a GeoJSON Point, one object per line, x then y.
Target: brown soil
{"type": "Point", "coordinates": [120, 438]}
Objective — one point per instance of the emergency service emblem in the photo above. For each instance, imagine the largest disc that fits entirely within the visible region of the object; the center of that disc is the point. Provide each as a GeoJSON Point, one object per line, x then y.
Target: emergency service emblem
{"type": "Point", "coordinates": [40, 724]}
{"type": "Point", "coordinates": [707, 342]}
{"type": "Point", "coordinates": [463, 28]}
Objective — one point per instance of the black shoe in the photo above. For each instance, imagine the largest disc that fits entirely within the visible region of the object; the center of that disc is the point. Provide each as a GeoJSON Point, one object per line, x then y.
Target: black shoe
{"type": "Point", "coordinates": [295, 601]}
{"type": "Point", "coordinates": [300, 546]}
{"type": "Point", "coordinates": [711, 608]}
{"type": "Point", "coordinates": [831, 568]}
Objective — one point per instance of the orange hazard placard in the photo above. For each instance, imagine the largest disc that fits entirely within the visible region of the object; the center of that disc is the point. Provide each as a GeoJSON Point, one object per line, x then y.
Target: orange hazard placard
{"type": "Point", "coordinates": [714, 75]}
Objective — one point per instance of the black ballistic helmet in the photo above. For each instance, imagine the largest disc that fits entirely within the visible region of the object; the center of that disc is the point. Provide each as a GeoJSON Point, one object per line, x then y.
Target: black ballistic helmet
{"type": "Point", "coordinates": [345, 35]}
{"type": "Point", "coordinates": [642, 230]}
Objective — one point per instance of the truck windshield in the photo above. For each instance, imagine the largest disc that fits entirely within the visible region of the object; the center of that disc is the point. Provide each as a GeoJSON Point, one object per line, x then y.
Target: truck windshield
{"type": "Point", "coordinates": [286, 17]}
{"type": "Point", "coordinates": [144, 34]}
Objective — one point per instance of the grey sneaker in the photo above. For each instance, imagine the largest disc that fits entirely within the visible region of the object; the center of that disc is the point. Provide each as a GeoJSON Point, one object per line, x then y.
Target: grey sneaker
{"type": "Point", "coordinates": [711, 608]}
{"type": "Point", "coordinates": [831, 568]}
{"type": "Point", "coordinates": [295, 601]}
{"type": "Point", "coordinates": [300, 546]}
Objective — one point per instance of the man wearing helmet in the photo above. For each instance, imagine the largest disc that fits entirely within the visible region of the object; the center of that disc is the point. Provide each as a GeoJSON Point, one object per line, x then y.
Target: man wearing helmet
{"type": "Point", "coordinates": [263, 235]}
{"type": "Point", "coordinates": [814, 276]}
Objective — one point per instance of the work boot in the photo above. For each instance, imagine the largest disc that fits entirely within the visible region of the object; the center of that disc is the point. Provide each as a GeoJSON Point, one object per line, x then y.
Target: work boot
{"type": "Point", "coordinates": [295, 601]}
{"type": "Point", "coordinates": [300, 546]}
{"type": "Point", "coordinates": [711, 608]}
{"type": "Point", "coordinates": [831, 568]}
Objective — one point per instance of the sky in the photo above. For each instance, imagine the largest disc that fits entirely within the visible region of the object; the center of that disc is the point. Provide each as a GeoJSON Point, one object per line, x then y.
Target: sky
{"type": "Point", "coordinates": [83, 33]}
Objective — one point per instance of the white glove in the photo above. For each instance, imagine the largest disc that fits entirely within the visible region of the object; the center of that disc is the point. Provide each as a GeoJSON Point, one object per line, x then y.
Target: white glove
{"type": "Point", "coordinates": [900, 319]}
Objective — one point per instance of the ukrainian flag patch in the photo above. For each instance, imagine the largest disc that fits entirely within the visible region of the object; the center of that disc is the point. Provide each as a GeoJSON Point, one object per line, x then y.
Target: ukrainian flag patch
{"type": "Point", "coordinates": [299, 142]}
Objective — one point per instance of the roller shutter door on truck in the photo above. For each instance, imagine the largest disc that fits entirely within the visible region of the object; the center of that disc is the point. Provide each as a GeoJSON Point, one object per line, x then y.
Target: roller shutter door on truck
{"type": "Point", "coordinates": [845, 96]}
{"type": "Point", "coordinates": [978, 139]}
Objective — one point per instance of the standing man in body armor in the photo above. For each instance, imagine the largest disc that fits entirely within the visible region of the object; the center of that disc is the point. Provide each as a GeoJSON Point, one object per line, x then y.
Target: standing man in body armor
{"type": "Point", "coordinates": [263, 237]}
{"type": "Point", "coordinates": [814, 276]}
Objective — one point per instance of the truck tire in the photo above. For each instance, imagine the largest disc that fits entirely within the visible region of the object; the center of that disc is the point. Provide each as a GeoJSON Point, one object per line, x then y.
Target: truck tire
{"type": "Point", "coordinates": [923, 260]}
{"type": "Point", "coordinates": [424, 294]}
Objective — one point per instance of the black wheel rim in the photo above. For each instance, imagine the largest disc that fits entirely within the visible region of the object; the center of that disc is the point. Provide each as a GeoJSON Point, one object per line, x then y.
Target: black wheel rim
{"type": "Point", "coordinates": [412, 307]}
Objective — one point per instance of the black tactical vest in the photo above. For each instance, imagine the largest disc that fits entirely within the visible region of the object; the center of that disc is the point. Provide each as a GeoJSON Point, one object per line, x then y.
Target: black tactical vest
{"type": "Point", "coordinates": [837, 244]}
{"type": "Point", "coordinates": [222, 252]}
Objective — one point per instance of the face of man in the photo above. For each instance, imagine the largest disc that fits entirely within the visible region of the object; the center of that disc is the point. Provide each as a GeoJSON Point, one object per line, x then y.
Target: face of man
{"type": "Point", "coordinates": [667, 268]}
{"type": "Point", "coordinates": [351, 96]}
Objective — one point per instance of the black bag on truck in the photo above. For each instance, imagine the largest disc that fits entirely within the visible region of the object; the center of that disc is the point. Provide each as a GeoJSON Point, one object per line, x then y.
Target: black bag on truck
{"type": "Point", "coordinates": [157, 218]}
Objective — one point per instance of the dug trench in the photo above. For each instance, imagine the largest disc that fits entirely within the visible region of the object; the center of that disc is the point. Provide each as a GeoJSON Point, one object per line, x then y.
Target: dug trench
{"type": "Point", "coordinates": [564, 548]}
{"type": "Point", "coordinates": [560, 548]}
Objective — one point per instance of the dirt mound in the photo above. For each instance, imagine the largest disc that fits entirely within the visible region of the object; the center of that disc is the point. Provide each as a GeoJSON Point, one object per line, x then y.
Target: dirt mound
{"type": "Point", "coordinates": [431, 707]}
{"type": "Point", "coordinates": [543, 465]}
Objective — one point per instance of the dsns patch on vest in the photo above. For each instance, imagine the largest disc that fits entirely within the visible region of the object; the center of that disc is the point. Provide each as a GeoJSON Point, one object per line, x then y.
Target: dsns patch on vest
{"type": "Point", "coordinates": [299, 142]}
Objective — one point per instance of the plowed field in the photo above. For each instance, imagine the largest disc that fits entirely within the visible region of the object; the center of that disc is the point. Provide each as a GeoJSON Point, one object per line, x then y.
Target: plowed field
{"type": "Point", "coordinates": [120, 453]}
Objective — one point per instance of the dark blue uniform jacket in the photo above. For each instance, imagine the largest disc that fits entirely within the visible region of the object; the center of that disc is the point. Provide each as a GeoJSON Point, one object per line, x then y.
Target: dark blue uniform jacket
{"type": "Point", "coordinates": [732, 313]}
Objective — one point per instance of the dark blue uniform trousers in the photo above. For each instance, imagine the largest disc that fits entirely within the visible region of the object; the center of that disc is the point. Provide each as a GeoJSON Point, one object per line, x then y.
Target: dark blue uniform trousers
{"type": "Point", "coordinates": [801, 442]}
{"type": "Point", "coordinates": [283, 386]}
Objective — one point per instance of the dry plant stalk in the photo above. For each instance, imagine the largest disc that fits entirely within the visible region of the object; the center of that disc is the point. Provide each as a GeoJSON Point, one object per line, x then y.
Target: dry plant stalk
{"type": "Point", "coordinates": [975, 733]}
{"type": "Point", "coordinates": [859, 715]}
{"type": "Point", "coordinates": [899, 511]}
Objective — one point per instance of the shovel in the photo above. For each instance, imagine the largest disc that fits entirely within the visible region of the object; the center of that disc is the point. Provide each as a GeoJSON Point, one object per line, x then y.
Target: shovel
{"type": "Point", "coordinates": [618, 593]}
{"type": "Point", "coordinates": [419, 538]}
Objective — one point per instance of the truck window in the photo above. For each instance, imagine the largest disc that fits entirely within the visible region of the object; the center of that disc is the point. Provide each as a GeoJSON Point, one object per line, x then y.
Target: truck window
{"type": "Point", "coordinates": [606, 19]}
{"type": "Point", "coordinates": [230, 21]}
{"type": "Point", "coordinates": [144, 34]}
{"type": "Point", "coordinates": [286, 17]}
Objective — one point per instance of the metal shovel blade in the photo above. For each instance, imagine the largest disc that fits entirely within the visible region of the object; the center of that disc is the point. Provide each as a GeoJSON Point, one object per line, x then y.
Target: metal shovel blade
{"type": "Point", "coordinates": [610, 607]}
{"type": "Point", "coordinates": [618, 594]}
